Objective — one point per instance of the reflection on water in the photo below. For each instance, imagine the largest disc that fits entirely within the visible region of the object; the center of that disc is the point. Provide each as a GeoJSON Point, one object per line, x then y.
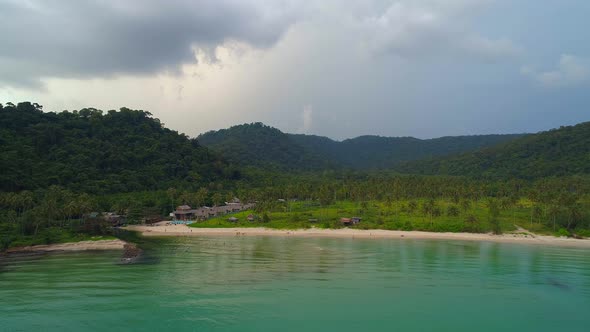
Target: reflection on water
{"type": "Point", "coordinates": [276, 283]}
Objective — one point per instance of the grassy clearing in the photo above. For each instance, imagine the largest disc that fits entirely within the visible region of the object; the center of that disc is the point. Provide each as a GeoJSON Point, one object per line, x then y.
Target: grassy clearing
{"type": "Point", "coordinates": [399, 215]}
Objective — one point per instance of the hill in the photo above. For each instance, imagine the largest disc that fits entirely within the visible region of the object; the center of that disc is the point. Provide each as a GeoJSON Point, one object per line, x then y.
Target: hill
{"type": "Point", "coordinates": [557, 152]}
{"type": "Point", "coordinates": [377, 152]}
{"type": "Point", "coordinates": [96, 152]}
{"type": "Point", "coordinates": [263, 146]}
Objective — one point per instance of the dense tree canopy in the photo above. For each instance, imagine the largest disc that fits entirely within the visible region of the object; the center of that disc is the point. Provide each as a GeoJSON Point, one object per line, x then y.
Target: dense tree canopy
{"type": "Point", "coordinates": [377, 152]}
{"type": "Point", "coordinates": [97, 152]}
{"type": "Point", "coordinates": [57, 168]}
{"type": "Point", "coordinates": [558, 152]}
{"type": "Point", "coordinates": [263, 146]}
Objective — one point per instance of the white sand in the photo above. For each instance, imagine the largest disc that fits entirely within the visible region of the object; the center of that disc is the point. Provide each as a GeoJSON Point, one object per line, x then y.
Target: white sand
{"type": "Point", "coordinates": [183, 230]}
{"type": "Point", "coordinates": [73, 246]}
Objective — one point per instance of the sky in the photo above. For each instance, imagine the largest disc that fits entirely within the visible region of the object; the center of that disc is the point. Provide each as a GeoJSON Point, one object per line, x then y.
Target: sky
{"type": "Point", "coordinates": [422, 68]}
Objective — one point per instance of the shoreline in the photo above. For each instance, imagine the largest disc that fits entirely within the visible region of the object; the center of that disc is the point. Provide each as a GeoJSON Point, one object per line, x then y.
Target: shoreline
{"type": "Point", "coordinates": [69, 247]}
{"type": "Point", "coordinates": [183, 230]}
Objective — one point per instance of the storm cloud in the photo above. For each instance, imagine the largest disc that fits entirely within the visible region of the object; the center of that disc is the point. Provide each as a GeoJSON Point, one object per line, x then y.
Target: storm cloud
{"type": "Point", "coordinates": [422, 68]}
{"type": "Point", "coordinates": [73, 38]}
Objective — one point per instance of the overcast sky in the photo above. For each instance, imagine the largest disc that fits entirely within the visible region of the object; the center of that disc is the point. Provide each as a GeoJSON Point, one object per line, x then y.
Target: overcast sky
{"type": "Point", "coordinates": [423, 68]}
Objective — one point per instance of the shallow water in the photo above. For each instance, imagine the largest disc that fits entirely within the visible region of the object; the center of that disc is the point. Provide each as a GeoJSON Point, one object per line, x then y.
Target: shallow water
{"type": "Point", "coordinates": [301, 284]}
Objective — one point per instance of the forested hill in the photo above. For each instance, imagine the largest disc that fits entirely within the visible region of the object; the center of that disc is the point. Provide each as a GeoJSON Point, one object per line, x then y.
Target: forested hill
{"type": "Point", "coordinates": [262, 146]}
{"type": "Point", "coordinates": [377, 152]}
{"type": "Point", "coordinates": [259, 145]}
{"type": "Point", "coordinates": [558, 152]}
{"type": "Point", "coordinates": [96, 152]}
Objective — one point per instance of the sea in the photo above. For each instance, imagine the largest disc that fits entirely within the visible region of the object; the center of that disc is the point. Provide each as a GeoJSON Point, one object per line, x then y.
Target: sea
{"type": "Point", "coordinates": [265, 283]}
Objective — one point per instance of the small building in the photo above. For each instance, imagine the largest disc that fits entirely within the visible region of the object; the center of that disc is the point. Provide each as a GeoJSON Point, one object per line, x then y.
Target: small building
{"type": "Point", "coordinates": [115, 219]}
{"type": "Point", "coordinates": [232, 219]}
{"type": "Point", "coordinates": [233, 207]}
{"type": "Point", "coordinates": [212, 212]}
{"type": "Point", "coordinates": [350, 221]}
{"type": "Point", "coordinates": [184, 212]}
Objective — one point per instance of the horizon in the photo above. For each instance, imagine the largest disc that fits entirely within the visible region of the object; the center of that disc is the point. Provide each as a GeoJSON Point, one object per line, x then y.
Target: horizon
{"type": "Point", "coordinates": [372, 135]}
{"type": "Point", "coordinates": [188, 165]}
{"type": "Point", "coordinates": [308, 134]}
{"type": "Point", "coordinates": [425, 69]}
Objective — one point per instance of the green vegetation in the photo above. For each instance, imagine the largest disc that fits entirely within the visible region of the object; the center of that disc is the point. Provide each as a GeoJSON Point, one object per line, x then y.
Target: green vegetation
{"type": "Point", "coordinates": [59, 168]}
{"type": "Point", "coordinates": [559, 152]}
{"type": "Point", "coordinates": [95, 152]}
{"type": "Point", "coordinates": [262, 146]}
{"type": "Point", "coordinates": [375, 215]}
{"type": "Point", "coordinates": [54, 215]}
{"type": "Point", "coordinates": [377, 152]}
{"type": "Point", "coordinates": [266, 147]}
{"type": "Point", "coordinates": [409, 203]}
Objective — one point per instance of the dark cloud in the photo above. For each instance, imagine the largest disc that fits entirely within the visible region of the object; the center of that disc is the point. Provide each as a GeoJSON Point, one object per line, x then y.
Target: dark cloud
{"type": "Point", "coordinates": [73, 38]}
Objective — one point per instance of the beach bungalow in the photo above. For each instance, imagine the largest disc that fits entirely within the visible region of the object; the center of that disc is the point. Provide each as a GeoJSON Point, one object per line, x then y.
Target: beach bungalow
{"type": "Point", "coordinates": [184, 212]}
{"type": "Point", "coordinates": [350, 221]}
{"type": "Point", "coordinates": [235, 207]}
{"type": "Point", "coordinates": [235, 200]}
{"type": "Point", "coordinates": [115, 219]}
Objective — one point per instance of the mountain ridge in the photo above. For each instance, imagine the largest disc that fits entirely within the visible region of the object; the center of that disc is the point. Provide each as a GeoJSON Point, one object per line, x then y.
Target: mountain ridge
{"type": "Point", "coordinates": [252, 144]}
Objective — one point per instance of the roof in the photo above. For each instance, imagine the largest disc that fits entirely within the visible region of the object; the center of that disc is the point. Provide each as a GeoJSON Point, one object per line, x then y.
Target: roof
{"type": "Point", "coordinates": [184, 211]}
{"type": "Point", "coordinates": [345, 219]}
{"type": "Point", "coordinates": [183, 207]}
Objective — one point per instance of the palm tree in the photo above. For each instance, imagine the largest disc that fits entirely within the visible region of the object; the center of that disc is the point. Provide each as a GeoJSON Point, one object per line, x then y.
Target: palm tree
{"type": "Point", "coordinates": [553, 212]}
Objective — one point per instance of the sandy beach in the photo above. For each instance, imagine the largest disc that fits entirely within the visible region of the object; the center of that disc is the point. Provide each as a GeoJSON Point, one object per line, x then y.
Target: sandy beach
{"type": "Point", "coordinates": [72, 246]}
{"type": "Point", "coordinates": [182, 230]}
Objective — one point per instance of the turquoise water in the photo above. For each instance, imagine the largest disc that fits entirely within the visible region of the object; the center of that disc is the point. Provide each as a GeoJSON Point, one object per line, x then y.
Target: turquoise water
{"type": "Point", "coordinates": [302, 284]}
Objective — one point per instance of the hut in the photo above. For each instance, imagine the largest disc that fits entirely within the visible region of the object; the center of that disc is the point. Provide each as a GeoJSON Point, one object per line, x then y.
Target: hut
{"type": "Point", "coordinates": [115, 219]}
{"type": "Point", "coordinates": [184, 212]}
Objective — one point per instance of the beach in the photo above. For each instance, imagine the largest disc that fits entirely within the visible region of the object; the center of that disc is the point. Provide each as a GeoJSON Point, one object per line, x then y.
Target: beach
{"type": "Point", "coordinates": [518, 237]}
{"type": "Point", "coordinates": [71, 246]}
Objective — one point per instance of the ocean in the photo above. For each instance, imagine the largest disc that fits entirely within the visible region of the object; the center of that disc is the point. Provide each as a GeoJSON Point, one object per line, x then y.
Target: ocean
{"type": "Point", "coordinates": [301, 284]}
